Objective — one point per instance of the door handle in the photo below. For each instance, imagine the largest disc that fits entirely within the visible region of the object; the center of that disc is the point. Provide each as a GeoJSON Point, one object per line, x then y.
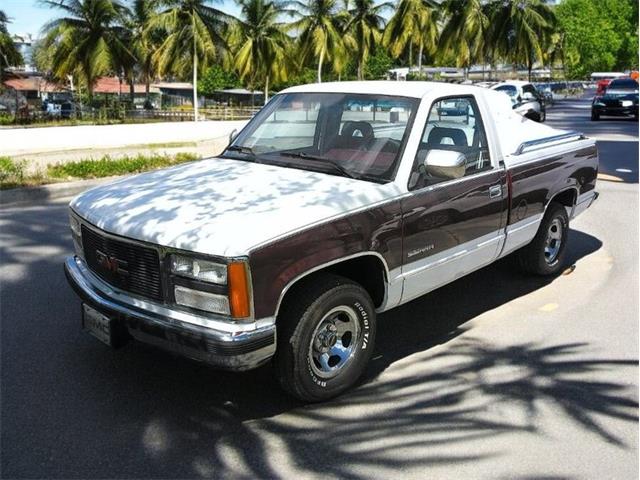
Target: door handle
{"type": "Point", "coordinates": [495, 191]}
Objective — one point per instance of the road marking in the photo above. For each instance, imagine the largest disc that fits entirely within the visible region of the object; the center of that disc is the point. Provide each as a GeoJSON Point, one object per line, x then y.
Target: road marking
{"type": "Point", "coordinates": [549, 307]}
{"type": "Point", "coordinates": [623, 170]}
{"type": "Point", "coordinates": [609, 178]}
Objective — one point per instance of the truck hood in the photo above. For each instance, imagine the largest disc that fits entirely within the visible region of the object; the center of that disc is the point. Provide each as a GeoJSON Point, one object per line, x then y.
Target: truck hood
{"type": "Point", "coordinates": [221, 206]}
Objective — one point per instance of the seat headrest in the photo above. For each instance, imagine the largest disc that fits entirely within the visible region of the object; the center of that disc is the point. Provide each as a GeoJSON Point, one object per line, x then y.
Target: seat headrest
{"type": "Point", "coordinates": [365, 129]}
{"type": "Point", "coordinates": [457, 136]}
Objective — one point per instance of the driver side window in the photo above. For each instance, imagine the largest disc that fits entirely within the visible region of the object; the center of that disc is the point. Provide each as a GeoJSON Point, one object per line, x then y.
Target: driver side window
{"type": "Point", "coordinates": [455, 125]}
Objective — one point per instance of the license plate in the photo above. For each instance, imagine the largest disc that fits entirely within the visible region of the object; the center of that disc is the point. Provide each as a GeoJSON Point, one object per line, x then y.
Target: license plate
{"type": "Point", "coordinates": [97, 324]}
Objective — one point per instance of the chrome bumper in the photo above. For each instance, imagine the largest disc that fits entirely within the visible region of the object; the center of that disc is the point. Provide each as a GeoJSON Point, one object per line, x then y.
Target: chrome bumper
{"type": "Point", "coordinates": [214, 340]}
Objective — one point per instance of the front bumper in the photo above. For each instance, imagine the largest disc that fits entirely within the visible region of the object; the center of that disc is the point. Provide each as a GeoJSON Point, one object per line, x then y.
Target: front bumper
{"type": "Point", "coordinates": [211, 339]}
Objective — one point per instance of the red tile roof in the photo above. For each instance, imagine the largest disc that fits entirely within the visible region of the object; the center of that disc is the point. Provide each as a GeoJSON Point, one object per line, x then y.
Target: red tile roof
{"type": "Point", "coordinates": [113, 85]}
{"type": "Point", "coordinates": [34, 84]}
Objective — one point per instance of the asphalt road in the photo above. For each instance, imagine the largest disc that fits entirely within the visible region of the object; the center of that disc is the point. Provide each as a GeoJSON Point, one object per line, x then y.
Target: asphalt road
{"type": "Point", "coordinates": [496, 376]}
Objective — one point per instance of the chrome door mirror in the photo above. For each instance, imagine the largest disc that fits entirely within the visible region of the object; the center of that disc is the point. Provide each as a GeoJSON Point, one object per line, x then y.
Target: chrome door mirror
{"type": "Point", "coordinates": [233, 135]}
{"type": "Point", "coordinates": [528, 96]}
{"type": "Point", "coordinates": [445, 164]}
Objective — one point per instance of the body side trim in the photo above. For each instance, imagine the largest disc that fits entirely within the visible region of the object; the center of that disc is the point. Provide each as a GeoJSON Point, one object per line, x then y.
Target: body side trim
{"type": "Point", "coordinates": [450, 265]}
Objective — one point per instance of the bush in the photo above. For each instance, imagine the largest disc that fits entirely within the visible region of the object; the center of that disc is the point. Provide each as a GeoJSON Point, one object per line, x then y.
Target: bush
{"type": "Point", "coordinates": [12, 172]}
{"type": "Point", "coordinates": [6, 119]}
{"type": "Point", "coordinates": [107, 166]}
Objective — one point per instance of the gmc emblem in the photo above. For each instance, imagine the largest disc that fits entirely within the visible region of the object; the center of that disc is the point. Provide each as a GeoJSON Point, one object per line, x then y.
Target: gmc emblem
{"type": "Point", "coordinates": [112, 264]}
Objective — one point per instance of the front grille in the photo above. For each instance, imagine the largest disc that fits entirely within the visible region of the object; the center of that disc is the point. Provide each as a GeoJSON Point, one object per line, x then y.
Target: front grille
{"type": "Point", "coordinates": [124, 265]}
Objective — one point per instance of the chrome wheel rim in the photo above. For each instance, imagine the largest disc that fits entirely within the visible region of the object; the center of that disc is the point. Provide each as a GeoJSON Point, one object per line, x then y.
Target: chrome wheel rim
{"type": "Point", "coordinates": [553, 241]}
{"type": "Point", "coordinates": [333, 343]}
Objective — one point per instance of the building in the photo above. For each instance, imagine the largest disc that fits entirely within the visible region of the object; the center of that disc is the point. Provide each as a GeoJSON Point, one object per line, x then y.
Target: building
{"type": "Point", "coordinates": [24, 43]}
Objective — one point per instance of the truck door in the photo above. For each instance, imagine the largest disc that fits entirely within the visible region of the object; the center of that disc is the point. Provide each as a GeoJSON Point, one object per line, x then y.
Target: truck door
{"type": "Point", "coordinates": [451, 224]}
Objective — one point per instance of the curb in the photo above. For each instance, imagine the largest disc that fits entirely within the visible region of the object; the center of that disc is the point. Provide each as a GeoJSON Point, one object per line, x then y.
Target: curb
{"type": "Point", "coordinates": [17, 196]}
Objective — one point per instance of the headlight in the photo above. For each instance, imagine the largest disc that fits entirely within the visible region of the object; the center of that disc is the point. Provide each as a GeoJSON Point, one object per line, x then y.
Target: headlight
{"type": "Point", "coordinates": [76, 235]}
{"type": "Point", "coordinates": [199, 269]}
{"type": "Point", "coordinates": [209, 302]}
{"type": "Point", "coordinates": [627, 103]}
{"type": "Point", "coordinates": [75, 226]}
{"type": "Point", "coordinates": [598, 103]}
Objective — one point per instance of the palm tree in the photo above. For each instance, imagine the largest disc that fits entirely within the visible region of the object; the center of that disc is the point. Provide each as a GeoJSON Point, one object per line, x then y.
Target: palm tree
{"type": "Point", "coordinates": [261, 43]}
{"type": "Point", "coordinates": [88, 41]}
{"type": "Point", "coordinates": [144, 40]}
{"type": "Point", "coordinates": [365, 25]}
{"type": "Point", "coordinates": [464, 31]}
{"type": "Point", "coordinates": [522, 29]}
{"type": "Point", "coordinates": [413, 23]}
{"type": "Point", "coordinates": [193, 37]}
{"type": "Point", "coordinates": [320, 32]}
{"type": "Point", "coordinates": [9, 54]}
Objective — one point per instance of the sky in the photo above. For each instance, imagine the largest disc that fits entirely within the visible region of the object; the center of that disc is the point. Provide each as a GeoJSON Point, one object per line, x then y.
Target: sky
{"type": "Point", "coordinates": [28, 16]}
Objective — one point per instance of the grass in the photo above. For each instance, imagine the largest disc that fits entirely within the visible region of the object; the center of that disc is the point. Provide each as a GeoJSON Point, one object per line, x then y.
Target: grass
{"type": "Point", "coordinates": [13, 172]}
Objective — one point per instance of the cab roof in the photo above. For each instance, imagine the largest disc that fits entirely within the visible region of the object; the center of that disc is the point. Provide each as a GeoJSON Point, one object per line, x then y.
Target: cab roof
{"type": "Point", "coordinates": [387, 87]}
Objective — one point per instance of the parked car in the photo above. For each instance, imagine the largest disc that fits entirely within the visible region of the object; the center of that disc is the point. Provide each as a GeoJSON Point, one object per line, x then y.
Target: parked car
{"type": "Point", "coordinates": [546, 92]}
{"type": "Point", "coordinates": [620, 99]}
{"type": "Point", "coordinates": [335, 203]}
{"type": "Point", "coordinates": [525, 99]}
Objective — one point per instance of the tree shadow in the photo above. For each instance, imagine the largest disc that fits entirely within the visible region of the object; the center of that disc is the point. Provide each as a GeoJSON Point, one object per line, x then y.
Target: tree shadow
{"type": "Point", "coordinates": [140, 413]}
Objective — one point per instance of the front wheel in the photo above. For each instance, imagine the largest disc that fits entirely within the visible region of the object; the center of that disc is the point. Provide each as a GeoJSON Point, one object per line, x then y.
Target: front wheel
{"type": "Point", "coordinates": [545, 254]}
{"type": "Point", "coordinates": [326, 333]}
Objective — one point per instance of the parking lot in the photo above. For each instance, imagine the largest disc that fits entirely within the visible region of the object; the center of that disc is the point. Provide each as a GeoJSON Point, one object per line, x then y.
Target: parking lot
{"type": "Point", "coordinates": [497, 375]}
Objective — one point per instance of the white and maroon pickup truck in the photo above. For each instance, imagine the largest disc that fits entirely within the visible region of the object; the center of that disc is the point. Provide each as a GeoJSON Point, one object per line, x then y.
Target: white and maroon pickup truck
{"type": "Point", "coordinates": [336, 202]}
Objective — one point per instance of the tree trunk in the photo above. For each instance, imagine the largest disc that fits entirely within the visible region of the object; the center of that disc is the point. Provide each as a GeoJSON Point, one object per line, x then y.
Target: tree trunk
{"type": "Point", "coordinates": [420, 61]}
{"type": "Point", "coordinates": [410, 55]}
{"type": "Point", "coordinates": [195, 80]}
{"type": "Point", "coordinates": [132, 91]}
{"type": "Point", "coordinates": [266, 90]}
{"type": "Point", "coordinates": [320, 65]}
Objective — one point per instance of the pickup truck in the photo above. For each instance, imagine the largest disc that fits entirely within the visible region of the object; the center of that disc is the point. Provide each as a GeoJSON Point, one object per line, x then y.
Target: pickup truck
{"type": "Point", "coordinates": [335, 203]}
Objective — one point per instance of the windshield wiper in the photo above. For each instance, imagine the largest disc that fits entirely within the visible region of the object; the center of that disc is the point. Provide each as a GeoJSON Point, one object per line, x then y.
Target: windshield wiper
{"type": "Point", "coordinates": [336, 166]}
{"type": "Point", "coordinates": [242, 149]}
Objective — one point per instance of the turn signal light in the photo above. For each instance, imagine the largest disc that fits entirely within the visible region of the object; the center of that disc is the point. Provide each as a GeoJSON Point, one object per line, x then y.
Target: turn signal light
{"type": "Point", "coordinates": [238, 290]}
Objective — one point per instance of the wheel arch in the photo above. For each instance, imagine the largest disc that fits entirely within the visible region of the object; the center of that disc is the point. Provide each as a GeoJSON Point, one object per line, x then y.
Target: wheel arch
{"type": "Point", "coordinates": [369, 269]}
{"type": "Point", "coordinates": [568, 197]}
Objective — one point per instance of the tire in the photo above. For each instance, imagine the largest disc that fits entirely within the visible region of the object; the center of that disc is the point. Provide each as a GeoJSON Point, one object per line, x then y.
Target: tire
{"type": "Point", "coordinates": [594, 116]}
{"type": "Point", "coordinates": [545, 254]}
{"type": "Point", "coordinates": [304, 363]}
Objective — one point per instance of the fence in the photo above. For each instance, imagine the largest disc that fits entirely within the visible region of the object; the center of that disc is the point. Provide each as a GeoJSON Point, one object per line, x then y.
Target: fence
{"type": "Point", "coordinates": [115, 115]}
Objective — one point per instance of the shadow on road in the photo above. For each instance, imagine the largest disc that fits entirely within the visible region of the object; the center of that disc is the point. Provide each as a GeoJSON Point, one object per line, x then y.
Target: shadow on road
{"type": "Point", "coordinates": [73, 408]}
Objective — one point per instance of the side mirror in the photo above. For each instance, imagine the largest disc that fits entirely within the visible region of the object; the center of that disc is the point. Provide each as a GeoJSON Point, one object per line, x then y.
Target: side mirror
{"type": "Point", "coordinates": [445, 164]}
{"type": "Point", "coordinates": [528, 96]}
{"type": "Point", "coordinates": [233, 135]}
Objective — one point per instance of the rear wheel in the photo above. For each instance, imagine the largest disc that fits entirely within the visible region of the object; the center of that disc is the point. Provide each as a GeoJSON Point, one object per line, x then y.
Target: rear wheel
{"type": "Point", "coordinates": [326, 334]}
{"type": "Point", "coordinates": [546, 252]}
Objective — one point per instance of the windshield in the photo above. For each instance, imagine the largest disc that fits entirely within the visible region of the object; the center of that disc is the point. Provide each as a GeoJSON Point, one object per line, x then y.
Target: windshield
{"type": "Point", "coordinates": [353, 135]}
{"type": "Point", "coordinates": [623, 84]}
{"type": "Point", "coordinates": [508, 89]}
{"type": "Point", "coordinates": [621, 95]}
